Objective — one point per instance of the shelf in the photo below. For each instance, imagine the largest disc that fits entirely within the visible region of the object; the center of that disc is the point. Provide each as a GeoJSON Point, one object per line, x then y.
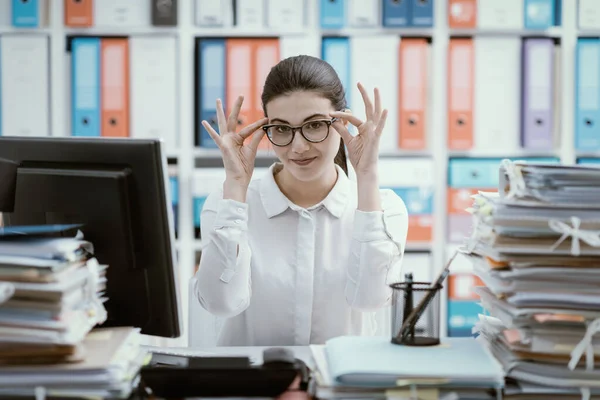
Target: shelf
{"type": "Point", "coordinates": [122, 31]}
{"type": "Point", "coordinates": [237, 32]}
{"type": "Point", "coordinates": [418, 247]}
{"type": "Point", "coordinates": [368, 31]}
{"type": "Point", "coordinates": [554, 32]}
{"type": "Point", "coordinates": [496, 153]}
{"type": "Point", "coordinates": [25, 31]}
{"type": "Point", "coordinates": [216, 153]}
{"type": "Point", "coordinates": [405, 153]}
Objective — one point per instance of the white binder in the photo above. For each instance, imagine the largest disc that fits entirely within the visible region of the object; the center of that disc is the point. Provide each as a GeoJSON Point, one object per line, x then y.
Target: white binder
{"type": "Point", "coordinates": [500, 14]}
{"type": "Point", "coordinates": [119, 13]}
{"type": "Point", "coordinates": [212, 13]}
{"type": "Point", "coordinates": [363, 13]}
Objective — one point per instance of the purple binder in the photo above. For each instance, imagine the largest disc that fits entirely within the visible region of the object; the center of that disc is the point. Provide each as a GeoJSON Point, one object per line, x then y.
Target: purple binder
{"type": "Point", "coordinates": [537, 125]}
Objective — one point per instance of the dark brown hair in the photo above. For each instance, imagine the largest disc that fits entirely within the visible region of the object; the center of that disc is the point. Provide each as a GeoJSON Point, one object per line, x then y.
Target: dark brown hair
{"type": "Point", "coordinates": [306, 73]}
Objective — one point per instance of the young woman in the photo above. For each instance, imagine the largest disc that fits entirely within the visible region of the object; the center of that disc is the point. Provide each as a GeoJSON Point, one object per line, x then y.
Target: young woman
{"type": "Point", "coordinates": [304, 253]}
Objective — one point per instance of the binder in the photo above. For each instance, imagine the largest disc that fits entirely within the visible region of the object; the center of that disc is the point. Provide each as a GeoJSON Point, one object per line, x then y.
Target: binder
{"type": "Point", "coordinates": [5, 13]}
{"type": "Point", "coordinates": [396, 13]}
{"type": "Point", "coordinates": [462, 14]}
{"type": "Point", "coordinates": [85, 86]}
{"type": "Point", "coordinates": [119, 13]}
{"type": "Point", "coordinates": [204, 182]}
{"type": "Point", "coordinates": [380, 50]}
{"type": "Point", "coordinates": [538, 93]}
{"type": "Point", "coordinates": [413, 82]}
{"type": "Point", "coordinates": [587, 94]}
{"type": "Point", "coordinates": [210, 78]}
{"type": "Point", "coordinates": [460, 93]}
{"type": "Point", "coordinates": [79, 13]}
{"type": "Point", "coordinates": [539, 14]}
{"type": "Point", "coordinates": [114, 92]}
{"type": "Point", "coordinates": [505, 14]}
{"type": "Point", "coordinates": [286, 15]}
{"type": "Point", "coordinates": [496, 119]}
{"type": "Point", "coordinates": [309, 45]}
{"type": "Point", "coordinates": [463, 304]}
{"type": "Point", "coordinates": [363, 13]}
{"type": "Point", "coordinates": [25, 85]}
{"type": "Point", "coordinates": [153, 65]}
{"type": "Point", "coordinates": [240, 81]}
{"type": "Point", "coordinates": [211, 13]}
{"type": "Point", "coordinates": [336, 51]}
{"type": "Point", "coordinates": [588, 14]}
{"type": "Point", "coordinates": [1, 105]}
{"type": "Point", "coordinates": [174, 188]}
{"type": "Point", "coordinates": [250, 14]}
{"type": "Point", "coordinates": [26, 14]}
{"type": "Point", "coordinates": [422, 13]}
{"type": "Point", "coordinates": [266, 55]}
{"type": "Point", "coordinates": [164, 12]}
{"type": "Point", "coordinates": [332, 14]}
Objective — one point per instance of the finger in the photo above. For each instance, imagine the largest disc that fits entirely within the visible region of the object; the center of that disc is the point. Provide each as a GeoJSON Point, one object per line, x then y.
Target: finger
{"type": "Point", "coordinates": [343, 131]}
{"type": "Point", "coordinates": [221, 120]}
{"type": "Point", "coordinates": [255, 141]}
{"type": "Point", "coordinates": [212, 133]}
{"type": "Point", "coordinates": [381, 123]}
{"type": "Point", "coordinates": [247, 131]}
{"type": "Point", "coordinates": [366, 100]}
{"type": "Point", "coordinates": [232, 121]}
{"type": "Point", "coordinates": [377, 113]}
{"type": "Point", "coordinates": [347, 117]}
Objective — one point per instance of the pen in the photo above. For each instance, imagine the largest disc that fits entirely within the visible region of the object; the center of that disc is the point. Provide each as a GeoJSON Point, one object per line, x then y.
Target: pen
{"type": "Point", "coordinates": [408, 297]}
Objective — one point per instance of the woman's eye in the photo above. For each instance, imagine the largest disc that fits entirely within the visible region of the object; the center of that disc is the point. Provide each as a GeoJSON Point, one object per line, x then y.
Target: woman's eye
{"type": "Point", "coordinates": [283, 129]}
{"type": "Point", "coordinates": [315, 125]}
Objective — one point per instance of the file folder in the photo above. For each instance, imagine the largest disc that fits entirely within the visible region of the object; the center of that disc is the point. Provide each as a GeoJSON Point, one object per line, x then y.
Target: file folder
{"type": "Point", "coordinates": [26, 14]}
{"type": "Point", "coordinates": [85, 86]}
{"type": "Point", "coordinates": [363, 13]}
{"type": "Point", "coordinates": [588, 14]}
{"type": "Point", "coordinates": [504, 14]}
{"type": "Point", "coordinates": [587, 94]}
{"type": "Point", "coordinates": [25, 85]}
{"type": "Point", "coordinates": [286, 15]}
{"type": "Point", "coordinates": [462, 14]}
{"type": "Point", "coordinates": [240, 81]}
{"type": "Point", "coordinates": [460, 94]}
{"type": "Point", "coordinates": [211, 86]}
{"type": "Point", "coordinates": [153, 64]}
{"type": "Point", "coordinates": [266, 55]}
{"type": "Point", "coordinates": [79, 13]}
{"type": "Point", "coordinates": [214, 13]}
{"type": "Point", "coordinates": [539, 14]}
{"type": "Point", "coordinates": [164, 13]}
{"type": "Point", "coordinates": [336, 51]}
{"type": "Point", "coordinates": [332, 14]}
{"type": "Point", "coordinates": [114, 92]}
{"type": "Point", "coordinates": [250, 14]}
{"type": "Point", "coordinates": [413, 85]}
{"type": "Point", "coordinates": [422, 13]}
{"type": "Point", "coordinates": [538, 94]}
{"type": "Point", "coordinates": [396, 14]}
{"type": "Point", "coordinates": [119, 13]}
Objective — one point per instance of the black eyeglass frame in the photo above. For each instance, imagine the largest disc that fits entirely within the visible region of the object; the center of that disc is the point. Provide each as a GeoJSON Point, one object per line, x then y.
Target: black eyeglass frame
{"type": "Point", "coordinates": [299, 128]}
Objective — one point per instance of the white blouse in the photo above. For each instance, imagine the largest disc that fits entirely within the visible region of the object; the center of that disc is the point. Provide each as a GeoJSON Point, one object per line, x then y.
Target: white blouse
{"type": "Point", "coordinates": [302, 275]}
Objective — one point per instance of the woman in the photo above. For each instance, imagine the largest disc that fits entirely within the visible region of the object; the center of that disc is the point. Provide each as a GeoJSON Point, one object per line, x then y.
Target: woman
{"type": "Point", "coordinates": [303, 253]}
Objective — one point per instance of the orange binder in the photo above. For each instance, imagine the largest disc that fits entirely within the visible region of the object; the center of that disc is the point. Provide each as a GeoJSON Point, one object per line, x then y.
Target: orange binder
{"type": "Point", "coordinates": [459, 199]}
{"type": "Point", "coordinates": [79, 13]}
{"type": "Point", "coordinates": [239, 78]}
{"type": "Point", "coordinates": [267, 54]}
{"type": "Point", "coordinates": [461, 69]}
{"type": "Point", "coordinates": [412, 84]}
{"type": "Point", "coordinates": [462, 14]}
{"type": "Point", "coordinates": [461, 286]}
{"type": "Point", "coordinates": [114, 83]}
{"type": "Point", "coordinates": [420, 229]}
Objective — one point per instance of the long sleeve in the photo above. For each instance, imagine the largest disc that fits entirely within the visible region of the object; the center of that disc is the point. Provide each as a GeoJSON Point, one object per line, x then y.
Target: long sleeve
{"type": "Point", "coordinates": [378, 242]}
{"type": "Point", "coordinates": [223, 281]}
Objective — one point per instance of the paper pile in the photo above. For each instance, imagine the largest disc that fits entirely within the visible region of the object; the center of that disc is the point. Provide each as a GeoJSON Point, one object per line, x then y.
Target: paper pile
{"type": "Point", "coordinates": [536, 247]}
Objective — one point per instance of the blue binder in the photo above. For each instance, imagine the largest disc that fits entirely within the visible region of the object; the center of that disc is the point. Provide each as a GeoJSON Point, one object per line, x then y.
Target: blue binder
{"type": "Point", "coordinates": [422, 13]}
{"type": "Point", "coordinates": [85, 86]}
{"type": "Point", "coordinates": [539, 14]}
{"type": "Point", "coordinates": [396, 13]}
{"type": "Point", "coordinates": [336, 51]}
{"type": "Point", "coordinates": [25, 14]}
{"type": "Point", "coordinates": [558, 12]}
{"type": "Point", "coordinates": [211, 86]}
{"type": "Point", "coordinates": [587, 94]}
{"type": "Point", "coordinates": [174, 186]}
{"type": "Point", "coordinates": [332, 14]}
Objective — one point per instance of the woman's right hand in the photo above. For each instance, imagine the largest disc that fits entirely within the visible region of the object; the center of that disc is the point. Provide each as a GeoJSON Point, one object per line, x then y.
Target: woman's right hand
{"type": "Point", "coordinates": [238, 157]}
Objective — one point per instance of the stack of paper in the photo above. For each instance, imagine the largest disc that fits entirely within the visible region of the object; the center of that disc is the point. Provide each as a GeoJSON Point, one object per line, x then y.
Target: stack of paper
{"type": "Point", "coordinates": [51, 297]}
{"type": "Point", "coordinates": [373, 367]}
{"type": "Point", "coordinates": [536, 247]}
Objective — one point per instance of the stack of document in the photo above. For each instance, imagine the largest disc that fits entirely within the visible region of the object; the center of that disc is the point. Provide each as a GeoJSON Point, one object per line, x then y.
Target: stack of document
{"type": "Point", "coordinates": [51, 297]}
{"type": "Point", "coordinates": [374, 367]}
{"type": "Point", "coordinates": [536, 247]}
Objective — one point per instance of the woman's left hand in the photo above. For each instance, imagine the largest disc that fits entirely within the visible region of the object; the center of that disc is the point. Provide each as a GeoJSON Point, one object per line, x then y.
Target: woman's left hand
{"type": "Point", "coordinates": [363, 149]}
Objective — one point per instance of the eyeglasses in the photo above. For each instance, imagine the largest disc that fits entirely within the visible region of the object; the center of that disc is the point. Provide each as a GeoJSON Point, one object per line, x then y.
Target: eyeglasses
{"type": "Point", "coordinates": [314, 131]}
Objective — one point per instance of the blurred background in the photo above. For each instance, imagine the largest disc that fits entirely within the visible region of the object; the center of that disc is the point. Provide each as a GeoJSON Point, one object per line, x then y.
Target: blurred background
{"type": "Point", "coordinates": [467, 83]}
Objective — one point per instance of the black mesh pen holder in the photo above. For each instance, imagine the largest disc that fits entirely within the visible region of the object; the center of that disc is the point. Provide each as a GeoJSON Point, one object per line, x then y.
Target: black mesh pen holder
{"type": "Point", "coordinates": [415, 313]}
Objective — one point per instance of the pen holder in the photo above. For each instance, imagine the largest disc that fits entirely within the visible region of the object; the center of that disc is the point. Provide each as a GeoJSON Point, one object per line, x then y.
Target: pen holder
{"type": "Point", "coordinates": [408, 296]}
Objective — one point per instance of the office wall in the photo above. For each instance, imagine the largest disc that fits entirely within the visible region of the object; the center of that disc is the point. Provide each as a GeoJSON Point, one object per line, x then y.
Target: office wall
{"type": "Point", "coordinates": [467, 83]}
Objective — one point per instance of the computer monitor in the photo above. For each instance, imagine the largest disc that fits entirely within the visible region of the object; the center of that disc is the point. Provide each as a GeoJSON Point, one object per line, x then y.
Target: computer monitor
{"type": "Point", "coordinates": [118, 189]}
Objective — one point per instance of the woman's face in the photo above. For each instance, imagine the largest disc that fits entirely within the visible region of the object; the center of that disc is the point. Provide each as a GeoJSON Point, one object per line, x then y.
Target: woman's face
{"type": "Point", "coordinates": [305, 160]}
